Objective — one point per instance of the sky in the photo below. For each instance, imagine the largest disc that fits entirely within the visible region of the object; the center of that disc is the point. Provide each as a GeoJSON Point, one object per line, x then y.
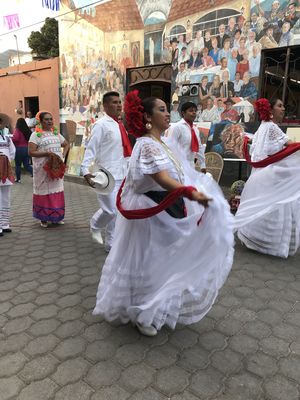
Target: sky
{"type": "Point", "coordinates": [29, 12]}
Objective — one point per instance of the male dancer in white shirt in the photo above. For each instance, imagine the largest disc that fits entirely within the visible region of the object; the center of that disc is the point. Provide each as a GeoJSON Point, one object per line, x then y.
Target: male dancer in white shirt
{"type": "Point", "coordinates": [108, 147]}
{"type": "Point", "coordinates": [187, 135]}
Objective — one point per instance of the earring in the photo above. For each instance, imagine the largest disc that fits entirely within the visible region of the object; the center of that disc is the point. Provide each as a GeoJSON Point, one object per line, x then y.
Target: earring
{"type": "Point", "coordinates": [148, 126]}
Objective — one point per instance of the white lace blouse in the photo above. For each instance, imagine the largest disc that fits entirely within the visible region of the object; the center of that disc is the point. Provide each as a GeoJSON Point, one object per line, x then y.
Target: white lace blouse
{"type": "Point", "coordinates": [149, 157]}
{"type": "Point", "coordinates": [268, 140]}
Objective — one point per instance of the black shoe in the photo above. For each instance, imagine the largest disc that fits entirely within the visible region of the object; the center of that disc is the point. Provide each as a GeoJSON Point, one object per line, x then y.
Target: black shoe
{"type": "Point", "coordinates": [1, 234]}
{"type": "Point", "coordinates": [7, 230]}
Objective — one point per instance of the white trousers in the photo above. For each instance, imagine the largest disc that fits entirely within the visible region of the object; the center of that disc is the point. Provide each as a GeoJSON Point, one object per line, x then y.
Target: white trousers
{"type": "Point", "coordinates": [105, 217]}
{"type": "Point", "coordinates": [4, 206]}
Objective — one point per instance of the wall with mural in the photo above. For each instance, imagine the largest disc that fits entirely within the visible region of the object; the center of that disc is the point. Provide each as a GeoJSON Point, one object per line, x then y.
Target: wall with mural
{"type": "Point", "coordinates": [214, 48]}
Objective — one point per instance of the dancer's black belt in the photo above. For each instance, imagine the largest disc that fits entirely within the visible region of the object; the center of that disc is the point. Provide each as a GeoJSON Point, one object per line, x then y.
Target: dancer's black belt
{"type": "Point", "coordinates": [176, 210]}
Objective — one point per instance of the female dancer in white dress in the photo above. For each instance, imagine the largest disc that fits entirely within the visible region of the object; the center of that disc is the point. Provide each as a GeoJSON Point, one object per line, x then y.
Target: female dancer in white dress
{"type": "Point", "coordinates": [268, 218]}
{"type": "Point", "coordinates": [168, 267]}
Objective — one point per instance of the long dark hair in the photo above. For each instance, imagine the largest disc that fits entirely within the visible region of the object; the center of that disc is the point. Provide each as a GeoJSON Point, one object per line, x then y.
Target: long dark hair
{"type": "Point", "coordinates": [274, 101]}
{"type": "Point", "coordinates": [23, 127]}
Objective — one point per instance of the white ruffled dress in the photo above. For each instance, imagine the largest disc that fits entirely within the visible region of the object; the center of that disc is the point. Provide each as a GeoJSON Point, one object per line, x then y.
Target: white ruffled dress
{"type": "Point", "coordinates": [162, 270]}
{"type": "Point", "coordinates": [268, 218]}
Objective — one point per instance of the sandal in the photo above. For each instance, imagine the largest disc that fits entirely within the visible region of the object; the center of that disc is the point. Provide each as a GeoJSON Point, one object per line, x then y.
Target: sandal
{"type": "Point", "coordinates": [44, 224]}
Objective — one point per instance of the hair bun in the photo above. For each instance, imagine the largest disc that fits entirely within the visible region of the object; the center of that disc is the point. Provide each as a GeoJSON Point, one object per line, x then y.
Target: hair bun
{"type": "Point", "coordinates": [263, 107]}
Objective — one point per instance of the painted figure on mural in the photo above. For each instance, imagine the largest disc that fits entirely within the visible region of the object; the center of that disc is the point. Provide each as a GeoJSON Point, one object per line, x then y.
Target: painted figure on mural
{"type": "Point", "coordinates": [135, 53]}
{"type": "Point", "coordinates": [166, 56]}
{"type": "Point", "coordinates": [151, 50]}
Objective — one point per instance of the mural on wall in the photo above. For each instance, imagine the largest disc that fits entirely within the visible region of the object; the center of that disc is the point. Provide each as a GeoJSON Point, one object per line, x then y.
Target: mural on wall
{"type": "Point", "coordinates": [216, 64]}
{"type": "Point", "coordinates": [215, 54]}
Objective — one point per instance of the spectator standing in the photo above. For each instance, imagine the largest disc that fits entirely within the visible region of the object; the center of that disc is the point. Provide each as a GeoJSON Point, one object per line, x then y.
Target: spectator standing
{"type": "Point", "coordinates": [20, 138]}
{"type": "Point", "coordinates": [30, 121]}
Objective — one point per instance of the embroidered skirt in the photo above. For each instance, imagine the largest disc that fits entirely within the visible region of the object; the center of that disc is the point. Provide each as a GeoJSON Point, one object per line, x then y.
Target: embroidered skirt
{"type": "Point", "coordinates": [49, 207]}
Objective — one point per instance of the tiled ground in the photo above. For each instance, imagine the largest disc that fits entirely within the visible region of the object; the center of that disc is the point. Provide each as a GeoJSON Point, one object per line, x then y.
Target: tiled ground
{"type": "Point", "coordinates": [248, 347]}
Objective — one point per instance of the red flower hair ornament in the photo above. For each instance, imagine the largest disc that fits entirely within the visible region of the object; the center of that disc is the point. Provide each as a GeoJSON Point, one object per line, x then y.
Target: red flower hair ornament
{"type": "Point", "coordinates": [134, 113]}
{"type": "Point", "coordinates": [263, 107]}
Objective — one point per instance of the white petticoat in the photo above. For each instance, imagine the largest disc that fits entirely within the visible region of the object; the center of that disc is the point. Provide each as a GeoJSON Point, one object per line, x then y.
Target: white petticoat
{"type": "Point", "coordinates": [163, 270]}
{"type": "Point", "coordinates": [268, 218]}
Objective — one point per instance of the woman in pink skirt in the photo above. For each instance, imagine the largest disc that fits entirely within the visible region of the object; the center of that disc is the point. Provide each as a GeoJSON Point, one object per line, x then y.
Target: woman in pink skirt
{"type": "Point", "coordinates": [48, 190]}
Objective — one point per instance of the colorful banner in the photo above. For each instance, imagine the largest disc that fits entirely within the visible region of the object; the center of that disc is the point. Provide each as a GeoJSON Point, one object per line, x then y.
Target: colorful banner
{"type": "Point", "coordinates": [11, 21]}
{"type": "Point", "coordinates": [51, 4]}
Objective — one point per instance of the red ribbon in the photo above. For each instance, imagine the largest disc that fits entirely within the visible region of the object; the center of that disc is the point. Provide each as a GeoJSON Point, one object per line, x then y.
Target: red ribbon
{"type": "Point", "coordinates": [280, 155]}
{"type": "Point", "coordinates": [194, 140]}
{"type": "Point", "coordinates": [127, 149]}
{"type": "Point", "coordinates": [143, 213]}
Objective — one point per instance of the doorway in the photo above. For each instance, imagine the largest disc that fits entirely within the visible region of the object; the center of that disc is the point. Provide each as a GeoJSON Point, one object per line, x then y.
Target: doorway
{"type": "Point", "coordinates": [151, 81]}
{"type": "Point", "coordinates": [32, 104]}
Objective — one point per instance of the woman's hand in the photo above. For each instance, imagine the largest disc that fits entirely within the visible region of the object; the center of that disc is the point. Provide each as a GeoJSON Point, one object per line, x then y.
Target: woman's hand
{"type": "Point", "coordinates": [201, 198]}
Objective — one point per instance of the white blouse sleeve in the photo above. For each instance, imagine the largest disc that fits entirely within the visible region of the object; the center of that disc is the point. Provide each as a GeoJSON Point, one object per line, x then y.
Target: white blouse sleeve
{"type": "Point", "coordinates": [12, 149]}
{"type": "Point", "coordinates": [152, 159]}
{"type": "Point", "coordinates": [275, 140]}
{"type": "Point", "coordinates": [61, 138]}
{"type": "Point", "coordinates": [35, 139]}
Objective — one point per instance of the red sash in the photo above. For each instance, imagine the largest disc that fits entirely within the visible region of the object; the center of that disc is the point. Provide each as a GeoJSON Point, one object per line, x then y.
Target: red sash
{"type": "Point", "coordinates": [143, 213]}
{"type": "Point", "coordinates": [127, 149]}
{"type": "Point", "coordinates": [194, 139]}
{"type": "Point", "coordinates": [280, 155]}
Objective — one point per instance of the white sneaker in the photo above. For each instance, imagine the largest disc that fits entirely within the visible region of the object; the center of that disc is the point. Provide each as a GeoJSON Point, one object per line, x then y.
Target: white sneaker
{"type": "Point", "coordinates": [146, 330]}
{"type": "Point", "coordinates": [96, 235]}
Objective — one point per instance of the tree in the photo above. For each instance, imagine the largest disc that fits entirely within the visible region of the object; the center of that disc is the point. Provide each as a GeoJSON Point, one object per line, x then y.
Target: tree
{"type": "Point", "coordinates": [44, 43]}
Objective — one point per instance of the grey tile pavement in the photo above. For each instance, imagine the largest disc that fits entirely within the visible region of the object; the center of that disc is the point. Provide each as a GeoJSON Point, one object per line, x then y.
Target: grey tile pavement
{"type": "Point", "coordinates": [51, 347]}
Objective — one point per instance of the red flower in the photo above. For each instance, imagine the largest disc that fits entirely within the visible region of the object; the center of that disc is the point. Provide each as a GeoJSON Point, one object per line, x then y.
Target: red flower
{"type": "Point", "coordinates": [134, 114]}
{"type": "Point", "coordinates": [263, 107]}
